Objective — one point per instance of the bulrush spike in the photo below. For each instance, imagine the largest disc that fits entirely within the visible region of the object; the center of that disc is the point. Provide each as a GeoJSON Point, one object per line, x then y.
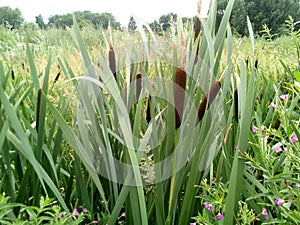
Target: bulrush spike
{"type": "Point", "coordinates": [38, 108]}
{"type": "Point", "coordinates": [180, 84]}
{"type": "Point", "coordinates": [12, 74]}
{"type": "Point", "coordinates": [111, 54]}
{"type": "Point", "coordinates": [57, 76]}
{"type": "Point", "coordinates": [197, 29]}
{"type": "Point", "coordinates": [148, 112]}
{"type": "Point", "coordinates": [138, 84]}
{"type": "Point", "coordinates": [236, 105]}
{"type": "Point", "coordinates": [236, 99]}
{"type": "Point", "coordinates": [212, 94]}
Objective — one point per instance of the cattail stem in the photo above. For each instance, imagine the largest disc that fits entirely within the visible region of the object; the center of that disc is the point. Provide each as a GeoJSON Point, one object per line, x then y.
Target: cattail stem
{"type": "Point", "coordinates": [38, 108]}
{"type": "Point", "coordinates": [208, 99]}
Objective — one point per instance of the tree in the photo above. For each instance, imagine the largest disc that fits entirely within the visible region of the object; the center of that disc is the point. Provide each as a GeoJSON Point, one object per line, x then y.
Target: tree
{"type": "Point", "coordinates": [83, 19]}
{"type": "Point", "coordinates": [166, 20]}
{"type": "Point", "coordinates": [132, 24]}
{"type": "Point", "coordinates": [11, 17]}
{"type": "Point", "coordinates": [39, 20]}
{"type": "Point", "coordinates": [273, 13]}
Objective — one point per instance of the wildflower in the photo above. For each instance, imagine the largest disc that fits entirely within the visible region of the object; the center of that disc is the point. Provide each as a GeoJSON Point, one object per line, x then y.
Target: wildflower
{"type": "Point", "coordinates": [58, 217]}
{"type": "Point", "coordinates": [265, 213]}
{"type": "Point", "coordinates": [272, 105]}
{"type": "Point", "coordinates": [235, 148]}
{"type": "Point", "coordinates": [279, 201]}
{"type": "Point", "coordinates": [208, 207]}
{"type": "Point", "coordinates": [284, 97]}
{"type": "Point", "coordinates": [254, 129]}
{"type": "Point", "coordinates": [84, 210]}
{"type": "Point", "coordinates": [123, 214]}
{"type": "Point", "coordinates": [75, 212]}
{"type": "Point", "coordinates": [298, 186]}
{"type": "Point", "coordinates": [277, 147]}
{"type": "Point", "coordinates": [95, 222]}
{"type": "Point", "coordinates": [294, 138]}
{"type": "Point", "coordinates": [220, 216]}
{"type": "Point", "coordinates": [192, 223]}
{"type": "Point", "coordinates": [286, 181]}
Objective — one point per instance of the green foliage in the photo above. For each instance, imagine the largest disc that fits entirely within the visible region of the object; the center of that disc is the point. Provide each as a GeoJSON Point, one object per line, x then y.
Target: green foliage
{"type": "Point", "coordinates": [271, 13]}
{"type": "Point", "coordinates": [84, 18]}
{"type": "Point", "coordinates": [39, 20]}
{"type": "Point", "coordinates": [10, 17]}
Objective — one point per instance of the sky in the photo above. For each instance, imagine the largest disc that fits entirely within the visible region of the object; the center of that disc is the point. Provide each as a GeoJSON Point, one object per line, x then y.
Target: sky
{"type": "Point", "coordinates": [122, 9]}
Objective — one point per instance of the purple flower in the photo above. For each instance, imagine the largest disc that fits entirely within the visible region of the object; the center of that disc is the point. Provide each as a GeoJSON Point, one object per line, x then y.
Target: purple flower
{"type": "Point", "coordinates": [277, 147]}
{"type": "Point", "coordinates": [58, 217]}
{"type": "Point", "coordinates": [279, 201]}
{"type": "Point", "coordinates": [284, 97]}
{"type": "Point", "coordinates": [254, 129]}
{"type": "Point", "coordinates": [123, 214]}
{"type": "Point", "coordinates": [236, 148]}
{"type": "Point", "coordinates": [265, 213]}
{"type": "Point", "coordinates": [84, 210]}
{"type": "Point", "coordinates": [75, 212]}
{"type": "Point", "coordinates": [272, 104]}
{"type": "Point", "coordinates": [220, 216]}
{"type": "Point", "coordinates": [298, 186]}
{"type": "Point", "coordinates": [95, 222]}
{"type": "Point", "coordinates": [286, 181]}
{"type": "Point", "coordinates": [192, 223]}
{"type": "Point", "coordinates": [208, 207]}
{"type": "Point", "coordinates": [294, 138]}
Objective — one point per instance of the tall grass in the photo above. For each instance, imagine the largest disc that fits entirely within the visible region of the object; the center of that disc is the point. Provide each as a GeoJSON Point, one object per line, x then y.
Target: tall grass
{"type": "Point", "coordinates": [96, 137]}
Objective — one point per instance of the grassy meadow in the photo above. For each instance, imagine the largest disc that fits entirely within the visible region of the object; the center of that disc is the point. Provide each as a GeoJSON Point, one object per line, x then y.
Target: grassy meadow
{"type": "Point", "coordinates": [165, 133]}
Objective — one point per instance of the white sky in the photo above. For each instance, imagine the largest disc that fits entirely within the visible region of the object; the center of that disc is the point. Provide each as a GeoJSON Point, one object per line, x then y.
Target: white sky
{"type": "Point", "coordinates": [147, 10]}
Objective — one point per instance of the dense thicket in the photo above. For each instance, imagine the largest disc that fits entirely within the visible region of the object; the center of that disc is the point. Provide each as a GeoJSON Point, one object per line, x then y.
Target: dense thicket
{"type": "Point", "coordinates": [11, 17]}
{"type": "Point", "coordinates": [273, 13]}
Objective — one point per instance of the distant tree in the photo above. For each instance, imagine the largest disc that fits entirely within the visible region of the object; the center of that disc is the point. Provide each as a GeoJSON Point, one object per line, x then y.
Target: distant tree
{"type": "Point", "coordinates": [131, 24]}
{"type": "Point", "coordinates": [11, 17]}
{"type": "Point", "coordinates": [156, 27]}
{"type": "Point", "coordinates": [39, 20]}
{"type": "Point", "coordinates": [83, 19]}
{"type": "Point", "coordinates": [166, 20]}
{"type": "Point", "coordinates": [273, 13]}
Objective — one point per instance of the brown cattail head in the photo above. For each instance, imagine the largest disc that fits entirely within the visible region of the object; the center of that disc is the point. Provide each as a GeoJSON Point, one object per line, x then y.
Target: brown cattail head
{"type": "Point", "coordinates": [208, 99]}
{"type": "Point", "coordinates": [12, 74]}
{"type": "Point", "coordinates": [179, 95]}
{"type": "Point", "coordinates": [148, 112]}
{"type": "Point", "coordinates": [236, 105]}
{"type": "Point", "coordinates": [276, 124]}
{"type": "Point", "coordinates": [138, 86]}
{"type": "Point", "coordinates": [57, 76]}
{"type": "Point", "coordinates": [111, 54]}
{"type": "Point", "coordinates": [38, 108]}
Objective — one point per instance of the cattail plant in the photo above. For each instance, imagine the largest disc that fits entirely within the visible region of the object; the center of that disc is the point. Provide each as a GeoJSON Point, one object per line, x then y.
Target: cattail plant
{"type": "Point", "coordinates": [180, 83]}
{"type": "Point", "coordinates": [12, 74]}
{"type": "Point", "coordinates": [38, 108]}
{"type": "Point", "coordinates": [111, 54]}
{"type": "Point", "coordinates": [57, 76]}
{"type": "Point", "coordinates": [197, 29]}
{"type": "Point", "coordinates": [236, 99]}
{"type": "Point", "coordinates": [209, 97]}
{"type": "Point", "coordinates": [138, 86]}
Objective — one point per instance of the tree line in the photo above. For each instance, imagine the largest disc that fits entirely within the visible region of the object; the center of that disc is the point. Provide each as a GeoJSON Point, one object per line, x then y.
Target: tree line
{"type": "Point", "coordinates": [271, 13]}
